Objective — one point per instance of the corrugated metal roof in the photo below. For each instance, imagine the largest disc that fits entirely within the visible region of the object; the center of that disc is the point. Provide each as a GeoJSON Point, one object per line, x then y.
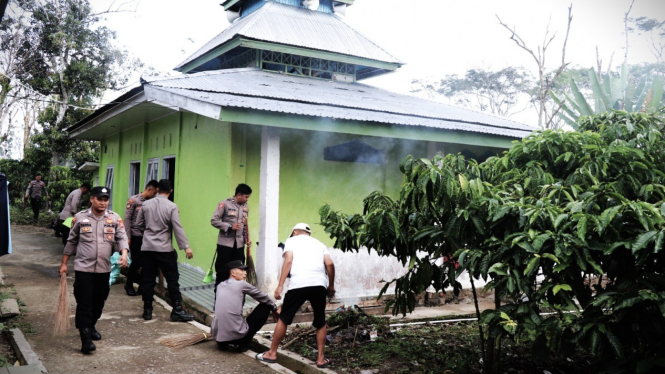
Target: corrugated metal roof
{"type": "Point", "coordinates": [329, 111]}
{"type": "Point", "coordinates": [243, 87]}
{"type": "Point", "coordinates": [285, 24]}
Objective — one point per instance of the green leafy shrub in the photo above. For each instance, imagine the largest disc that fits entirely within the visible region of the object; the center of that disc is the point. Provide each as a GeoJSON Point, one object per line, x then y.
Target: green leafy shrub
{"type": "Point", "coordinates": [19, 216]}
{"type": "Point", "coordinates": [60, 181]}
{"type": "Point", "coordinates": [572, 222]}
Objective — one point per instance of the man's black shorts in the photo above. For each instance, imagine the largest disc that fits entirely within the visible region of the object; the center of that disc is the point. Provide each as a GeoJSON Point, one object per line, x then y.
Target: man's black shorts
{"type": "Point", "coordinates": [296, 298]}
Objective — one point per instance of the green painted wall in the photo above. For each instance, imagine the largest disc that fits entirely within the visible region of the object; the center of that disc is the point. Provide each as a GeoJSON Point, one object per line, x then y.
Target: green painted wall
{"type": "Point", "coordinates": [129, 140]}
{"type": "Point", "coordinates": [213, 156]}
{"type": "Point", "coordinates": [204, 179]}
{"type": "Point", "coordinates": [307, 181]}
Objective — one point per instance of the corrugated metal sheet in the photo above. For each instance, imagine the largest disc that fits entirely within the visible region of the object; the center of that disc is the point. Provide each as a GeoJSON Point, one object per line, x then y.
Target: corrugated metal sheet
{"type": "Point", "coordinates": [251, 6]}
{"type": "Point", "coordinates": [285, 24]}
{"type": "Point", "coordinates": [332, 112]}
{"type": "Point", "coordinates": [285, 93]}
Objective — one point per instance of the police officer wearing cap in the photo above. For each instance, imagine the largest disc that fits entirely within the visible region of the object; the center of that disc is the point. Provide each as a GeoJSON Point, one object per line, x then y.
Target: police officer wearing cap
{"type": "Point", "coordinates": [159, 219]}
{"type": "Point", "coordinates": [230, 218]}
{"type": "Point", "coordinates": [94, 235]}
{"type": "Point", "coordinates": [228, 327]}
{"type": "Point", "coordinates": [34, 191]}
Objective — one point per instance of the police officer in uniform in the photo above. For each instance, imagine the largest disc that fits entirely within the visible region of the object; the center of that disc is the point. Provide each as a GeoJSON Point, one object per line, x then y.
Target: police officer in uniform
{"type": "Point", "coordinates": [159, 219]}
{"type": "Point", "coordinates": [230, 218]}
{"type": "Point", "coordinates": [34, 191]}
{"type": "Point", "coordinates": [72, 206]}
{"type": "Point", "coordinates": [95, 234]}
{"type": "Point", "coordinates": [134, 205]}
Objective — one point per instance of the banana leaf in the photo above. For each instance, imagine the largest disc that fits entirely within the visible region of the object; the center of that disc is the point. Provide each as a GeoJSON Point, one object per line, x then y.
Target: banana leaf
{"type": "Point", "coordinates": [564, 106]}
{"type": "Point", "coordinates": [657, 87]}
{"type": "Point", "coordinates": [599, 95]}
{"type": "Point", "coordinates": [585, 109]}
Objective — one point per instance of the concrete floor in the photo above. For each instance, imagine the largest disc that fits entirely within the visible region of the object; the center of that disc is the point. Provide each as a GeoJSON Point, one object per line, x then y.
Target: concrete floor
{"type": "Point", "coordinates": [129, 344]}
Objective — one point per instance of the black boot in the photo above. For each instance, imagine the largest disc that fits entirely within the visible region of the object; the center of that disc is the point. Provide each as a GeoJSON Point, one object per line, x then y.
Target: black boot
{"type": "Point", "coordinates": [178, 314]}
{"type": "Point", "coordinates": [147, 311]}
{"type": "Point", "coordinates": [95, 335]}
{"type": "Point", "coordinates": [129, 288]}
{"type": "Point", "coordinates": [87, 345]}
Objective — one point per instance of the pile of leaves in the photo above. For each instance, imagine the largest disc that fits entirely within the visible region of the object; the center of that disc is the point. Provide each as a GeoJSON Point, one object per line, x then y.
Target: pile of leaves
{"type": "Point", "coordinates": [426, 348]}
{"type": "Point", "coordinates": [347, 327]}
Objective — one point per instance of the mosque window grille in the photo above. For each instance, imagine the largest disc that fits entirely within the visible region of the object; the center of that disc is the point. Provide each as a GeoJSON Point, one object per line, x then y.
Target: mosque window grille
{"type": "Point", "coordinates": [243, 60]}
{"type": "Point", "coordinates": [307, 66]}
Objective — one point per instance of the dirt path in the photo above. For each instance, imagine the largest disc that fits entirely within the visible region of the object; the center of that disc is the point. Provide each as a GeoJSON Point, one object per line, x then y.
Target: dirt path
{"type": "Point", "coordinates": [129, 344]}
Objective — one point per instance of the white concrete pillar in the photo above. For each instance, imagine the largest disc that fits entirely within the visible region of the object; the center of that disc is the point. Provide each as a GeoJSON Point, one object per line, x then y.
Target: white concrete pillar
{"type": "Point", "coordinates": [268, 255]}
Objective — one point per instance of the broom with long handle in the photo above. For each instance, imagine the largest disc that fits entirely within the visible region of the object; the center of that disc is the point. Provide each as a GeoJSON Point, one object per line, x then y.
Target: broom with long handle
{"type": "Point", "coordinates": [251, 269]}
{"type": "Point", "coordinates": [62, 309]}
{"type": "Point", "coordinates": [185, 340]}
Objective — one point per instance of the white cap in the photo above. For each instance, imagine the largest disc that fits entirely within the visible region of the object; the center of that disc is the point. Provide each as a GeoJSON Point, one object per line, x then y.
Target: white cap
{"type": "Point", "coordinates": [303, 227]}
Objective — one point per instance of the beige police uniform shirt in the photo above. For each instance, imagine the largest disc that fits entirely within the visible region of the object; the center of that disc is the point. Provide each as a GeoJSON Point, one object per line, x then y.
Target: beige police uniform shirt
{"type": "Point", "coordinates": [227, 213]}
{"type": "Point", "coordinates": [159, 219]}
{"type": "Point", "coordinates": [72, 204]}
{"type": "Point", "coordinates": [134, 206]}
{"type": "Point", "coordinates": [35, 188]}
{"type": "Point", "coordinates": [94, 239]}
{"type": "Point", "coordinates": [228, 324]}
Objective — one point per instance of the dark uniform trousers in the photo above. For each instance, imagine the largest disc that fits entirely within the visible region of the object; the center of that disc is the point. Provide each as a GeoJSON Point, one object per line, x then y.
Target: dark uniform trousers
{"type": "Point", "coordinates": [36, 205]}
{"type": "Point", "coordinates": [224, 256]}
{"type": "Point", "coordinates": [91, 291]}
{"type": "Point", "coordinates": [133, 272]}
{"type": "Point", "coordinates": [64, 231]}
{"type": "Point", "coordinates": [255, 321]}
{"type": "Point", "coordinates": [167, 262]}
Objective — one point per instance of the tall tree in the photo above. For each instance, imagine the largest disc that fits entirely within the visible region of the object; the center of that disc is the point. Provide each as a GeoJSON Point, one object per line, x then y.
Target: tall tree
{"type": "Point", "coordinates": [654, 31]}
{"type": "Point", "coordinates": [70, 58]}
{"type": "Point", "coordinates": [12, 93]}
{"type": "Point", "coordinates": [546, 113]}
{"type": "Point", "coordinates": [497, 92]}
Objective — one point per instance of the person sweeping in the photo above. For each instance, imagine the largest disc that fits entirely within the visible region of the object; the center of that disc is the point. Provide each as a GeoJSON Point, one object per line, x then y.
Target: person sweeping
{"type": "Point", "coordinates": [95, 234]}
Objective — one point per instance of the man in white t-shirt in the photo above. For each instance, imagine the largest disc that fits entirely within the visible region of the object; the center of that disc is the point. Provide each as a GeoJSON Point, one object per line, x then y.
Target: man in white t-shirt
{"type": "Point", "coordinates": [312, 279]}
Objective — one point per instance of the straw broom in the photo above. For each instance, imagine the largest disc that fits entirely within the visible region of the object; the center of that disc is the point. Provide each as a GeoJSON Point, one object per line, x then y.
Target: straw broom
{"type": "Point", "coordinates": [62, 309]}
{"type": "Point", "coordinates": [251, 270]}
{"type": "Point", "coordinates": [185, 340]}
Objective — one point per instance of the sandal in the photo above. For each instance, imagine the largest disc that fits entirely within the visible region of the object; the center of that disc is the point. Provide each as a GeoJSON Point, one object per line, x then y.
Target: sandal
{"type": "Point", "coordinates": [260, 357]}
{"type": "Point", "coordinates": [325, 365]}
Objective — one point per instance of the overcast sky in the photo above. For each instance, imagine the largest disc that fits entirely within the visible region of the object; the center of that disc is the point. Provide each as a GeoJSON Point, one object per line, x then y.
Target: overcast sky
{"type": "Point", "coordinates": [433, 37]}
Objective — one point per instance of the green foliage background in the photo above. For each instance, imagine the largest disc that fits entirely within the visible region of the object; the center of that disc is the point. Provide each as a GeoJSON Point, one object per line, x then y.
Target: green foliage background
{"type": "Point", "coordinates": [565, 222]}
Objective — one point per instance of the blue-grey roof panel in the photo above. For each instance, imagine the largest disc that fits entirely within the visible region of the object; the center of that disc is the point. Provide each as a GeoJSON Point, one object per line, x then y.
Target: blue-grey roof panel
{"type": "Point", "coordinates": [326, 111]}
{"type": "Point", "coordinates": [299, 27]}
{"type": "Point", "coordinates": [282, 90]}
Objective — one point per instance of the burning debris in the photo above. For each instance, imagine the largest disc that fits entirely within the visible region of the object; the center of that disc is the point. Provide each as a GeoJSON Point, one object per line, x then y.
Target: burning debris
{"type": "Point", "coordinates": [347, 327]}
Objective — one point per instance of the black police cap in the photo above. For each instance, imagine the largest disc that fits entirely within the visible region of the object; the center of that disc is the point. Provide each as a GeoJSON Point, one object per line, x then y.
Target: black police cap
{"type": "Point", "coordinates": [237, 264]}
{"type": "Point", "coordinates": [100, 191]}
